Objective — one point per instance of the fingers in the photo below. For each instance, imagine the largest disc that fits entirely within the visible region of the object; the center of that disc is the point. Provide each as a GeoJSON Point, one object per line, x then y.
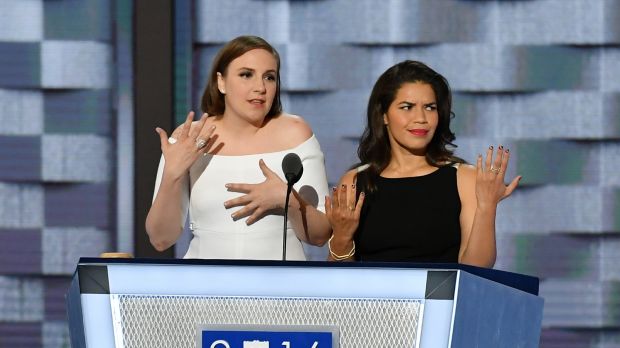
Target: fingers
{"type": "Point", "coordinates": [195, 131]}
{"type": "Point", "coordinates": [359, 205]}
{"type": "Point", "coordinates": [342, 196]}
{"type": "Point", "coordinates": [505, 158]}
{"type": "Point", "coordinates": [163, 137]}
{"type": "Point", "coordinates": [256, 215]}
{"type": "Point", "coordinates": [343, 200]}
{"type": "Point", "coordinates": [489, 157]}
{"type": "Point", "coordinates": [243, 212]}
{"type": "Point", "coordinates": [187, 125]}
{"type": "Point", "coordinates": [241, 188]}
{"type": "Point", "coordinates": [266, 171]}
{"type": "Point", "coordinates": [496, 166]}
{"type": "Point", "coordinates": [511, 187]}
{"type": "Point", "coordinates": [235, 202]}
{"type": "Point", "coordinates": [479, 166]}
{"type": "Point", "coordinates": [328, 206]}
{"type": "Point", "coordinates": [208, 139]}
{"type": "Point", "coordinates": [497, 162]}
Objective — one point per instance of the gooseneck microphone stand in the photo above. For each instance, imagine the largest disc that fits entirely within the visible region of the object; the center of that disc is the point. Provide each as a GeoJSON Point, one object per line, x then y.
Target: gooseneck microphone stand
{"type": "Point", "coordinates": [293, 169]}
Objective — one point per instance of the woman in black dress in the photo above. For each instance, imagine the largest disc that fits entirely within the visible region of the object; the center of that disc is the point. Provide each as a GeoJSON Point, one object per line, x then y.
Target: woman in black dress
{"type": "Point", "coordinates": [410, 199]}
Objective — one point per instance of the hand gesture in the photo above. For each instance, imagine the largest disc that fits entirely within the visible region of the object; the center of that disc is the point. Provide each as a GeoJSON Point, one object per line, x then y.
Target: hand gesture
{"type": "Point", "coordinates": [190, 143]}
{"type": "Point", "coordinates": [343, 212]}
{"type": "Point", "coordinates": [490, 187]}
{"type": "Point", "coordinates": [259, 199]}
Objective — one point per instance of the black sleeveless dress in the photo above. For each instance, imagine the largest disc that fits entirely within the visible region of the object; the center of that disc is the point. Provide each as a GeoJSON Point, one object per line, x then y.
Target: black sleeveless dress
{"type": "Point", "coordinates": [412, 219]}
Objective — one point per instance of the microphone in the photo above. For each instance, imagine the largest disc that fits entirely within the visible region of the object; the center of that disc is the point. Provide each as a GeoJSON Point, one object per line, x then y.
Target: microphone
{"type": "Point", "coordinates": [293, 169]}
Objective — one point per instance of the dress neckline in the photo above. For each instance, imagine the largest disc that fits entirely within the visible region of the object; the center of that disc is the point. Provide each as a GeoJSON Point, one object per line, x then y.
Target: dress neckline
{"type": "Point", "coordinates": [434, 172]}
{"type": "Point", "coordinates": [266, 153]}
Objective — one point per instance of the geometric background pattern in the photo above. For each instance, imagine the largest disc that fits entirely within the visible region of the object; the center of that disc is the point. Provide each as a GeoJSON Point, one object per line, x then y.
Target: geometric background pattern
{"type": "Point", "coordinates": [538, 76]}
{"type": "Point", "coordinates": [56, 158]}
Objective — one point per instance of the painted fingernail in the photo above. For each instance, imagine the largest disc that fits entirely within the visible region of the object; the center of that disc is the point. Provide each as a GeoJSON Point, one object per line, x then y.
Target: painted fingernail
{"type": "Point", "coordinates": [334, 188]}
{"type": "Point", "coordinates": [353, 186]}
{"type": "Point", "coordinates": [507, 150]}
{"type": "Point", "coordinates": [491, 147]}
{"type": "Point", "coordinates": [227, 185]}
{"type": "Point", "coordinates": [362, 194]}
{"type": "Point", "coordinates": [344, 186]}
{"type": "Point", "coordinates": [501, 147]}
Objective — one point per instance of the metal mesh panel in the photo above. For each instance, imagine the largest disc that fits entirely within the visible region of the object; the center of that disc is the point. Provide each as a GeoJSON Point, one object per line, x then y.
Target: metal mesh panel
{"type": "Point", "coordinates": [172, 321]}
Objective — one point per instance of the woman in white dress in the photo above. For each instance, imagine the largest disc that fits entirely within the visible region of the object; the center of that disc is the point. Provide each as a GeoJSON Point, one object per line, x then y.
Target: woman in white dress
{"type": "Point", "coordinates": [225, 168]}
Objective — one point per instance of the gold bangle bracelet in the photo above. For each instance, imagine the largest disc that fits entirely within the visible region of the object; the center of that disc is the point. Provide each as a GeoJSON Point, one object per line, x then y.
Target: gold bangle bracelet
{"type": "Point", "coordinates": [339, 257]}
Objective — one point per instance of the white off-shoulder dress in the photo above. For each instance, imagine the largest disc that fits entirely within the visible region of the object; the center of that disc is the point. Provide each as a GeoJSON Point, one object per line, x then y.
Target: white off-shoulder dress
{"type": "Point", "coordinates": [215, 234]}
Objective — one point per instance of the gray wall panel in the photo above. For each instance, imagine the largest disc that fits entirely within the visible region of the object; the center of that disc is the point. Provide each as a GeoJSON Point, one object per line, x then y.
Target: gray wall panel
{"type": "Point", "coordinates": [63, 247]}
{"type": "Point", "coordinates": [20, 158]}
{"type": "Point", "coordinates": [83, 205]}
{"type": "Point", "coordinates": [20, 251]}
{"type": "Point", "coordinates": [77, 158]}
{"type": "Point", "coordinates": [62, 60]}
{"type": "Point", "coordinates": [78, 111]}
{"type": "Point", "coordinates": [21, 206]}
{"type": "Point", "coordinates": [21, 300]}
{"type": "Point", "coordinates": [21, 20]}
{"type": "Point", "coordinates": [21, 112]}
{"type": "Point", "coordinates": [20, 65]}
{"type": "Point", "coordinates": [90, 20]}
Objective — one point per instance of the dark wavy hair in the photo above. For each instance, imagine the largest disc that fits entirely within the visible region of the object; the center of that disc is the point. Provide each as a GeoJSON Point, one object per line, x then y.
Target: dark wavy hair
{"type": "Point", "coordinates": [375, 149]}
{"type": "Point", "coordinates": [212, 100]}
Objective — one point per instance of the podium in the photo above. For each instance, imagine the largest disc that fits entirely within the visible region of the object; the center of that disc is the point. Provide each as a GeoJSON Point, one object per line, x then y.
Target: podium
{"type": "Point", "coordinates": [168, 303]}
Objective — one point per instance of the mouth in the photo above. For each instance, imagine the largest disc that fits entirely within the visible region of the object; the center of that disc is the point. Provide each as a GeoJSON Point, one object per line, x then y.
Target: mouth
{"type": "Point", "coordinates": [257, 102]}
{"type": "Point", "coordinates": [418, 132]}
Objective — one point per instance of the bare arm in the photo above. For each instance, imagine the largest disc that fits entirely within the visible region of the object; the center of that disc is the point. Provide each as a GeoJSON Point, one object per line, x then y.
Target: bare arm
{"type": "Point", "coordinates": [163, 222]}
{"type": "Point", "coordinates": [481, 189]}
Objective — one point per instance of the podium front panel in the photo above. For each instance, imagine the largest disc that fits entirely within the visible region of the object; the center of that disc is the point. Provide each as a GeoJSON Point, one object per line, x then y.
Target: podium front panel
{"type": "Point", "coordinates": [147, 304]}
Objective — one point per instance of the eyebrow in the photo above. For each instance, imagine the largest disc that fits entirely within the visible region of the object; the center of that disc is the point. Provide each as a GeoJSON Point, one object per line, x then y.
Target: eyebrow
{"type": "Point", "coordinates": [250, 69]}
{"type": "Point", "coordinates": [412, 103]}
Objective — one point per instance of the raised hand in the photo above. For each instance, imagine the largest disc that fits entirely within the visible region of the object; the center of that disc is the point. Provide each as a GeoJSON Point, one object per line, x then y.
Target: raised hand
{"type": "Point", "coordinates": [259, 199]}
{"type": "Point", "coordinates": [187, 144]}
{"type": "Point", "coordinates": [343, 212]}
{"type": "Point", "coordinates": [490, 187]}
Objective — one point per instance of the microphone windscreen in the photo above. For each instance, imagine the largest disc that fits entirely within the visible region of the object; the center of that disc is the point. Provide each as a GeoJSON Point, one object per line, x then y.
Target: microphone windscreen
{"type": "Point", "coordinates": [292, 168]}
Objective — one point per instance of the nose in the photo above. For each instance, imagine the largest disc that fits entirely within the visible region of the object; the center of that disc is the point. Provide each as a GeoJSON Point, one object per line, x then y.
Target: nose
{"type": "Point", "coordinates": [259, 86]}
{"type": "Point", "coordinates": [419, 114]}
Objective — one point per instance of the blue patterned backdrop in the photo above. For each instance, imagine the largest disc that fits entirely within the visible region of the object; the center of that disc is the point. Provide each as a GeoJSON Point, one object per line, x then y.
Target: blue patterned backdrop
{"type": "Point", "coordinates": [541, 77]}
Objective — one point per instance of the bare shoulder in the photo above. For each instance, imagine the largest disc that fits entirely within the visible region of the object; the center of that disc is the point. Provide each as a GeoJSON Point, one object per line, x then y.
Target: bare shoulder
{"type": "Point", "coordinates": [466, 175]}
{"type": "Point", "coordinates": [292, 128]}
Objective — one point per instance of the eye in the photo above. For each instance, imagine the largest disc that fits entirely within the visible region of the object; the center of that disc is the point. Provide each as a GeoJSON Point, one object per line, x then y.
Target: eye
{"type": "Point", "coordinates": [406, 107]}
{"type": "Point", "coordinates": [431, 107]}
{"type": "Point", "coordinates": [270, 77]}
{"type": "Point", "coordinates": [245, 74]}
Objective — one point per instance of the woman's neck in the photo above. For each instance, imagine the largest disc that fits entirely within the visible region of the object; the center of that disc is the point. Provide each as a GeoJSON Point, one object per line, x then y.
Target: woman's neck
{"type": "Point", "coordinates": [405, 164]}
{"type": "Point", "coordinates": [235, 124]}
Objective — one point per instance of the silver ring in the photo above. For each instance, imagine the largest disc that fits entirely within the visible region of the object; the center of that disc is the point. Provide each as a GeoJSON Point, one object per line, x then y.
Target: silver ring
{"type": "Point", "coordinates": [200, 143]}
{"type": "Point", "coordinates": [494, 170]}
